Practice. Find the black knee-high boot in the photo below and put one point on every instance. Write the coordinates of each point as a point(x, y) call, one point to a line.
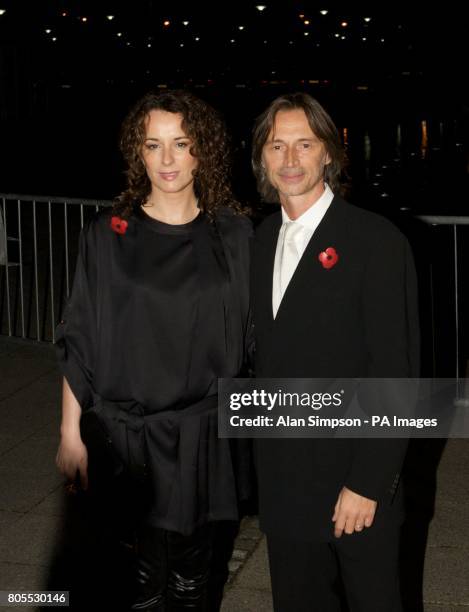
point(151, 570)
point(189, 560)
point(172, 570)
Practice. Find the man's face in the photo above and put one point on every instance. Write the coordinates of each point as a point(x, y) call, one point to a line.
point(166, 153)
point(294, 157)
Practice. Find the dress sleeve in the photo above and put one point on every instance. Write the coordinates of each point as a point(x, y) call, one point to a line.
point(76, 335)
point(236, 233)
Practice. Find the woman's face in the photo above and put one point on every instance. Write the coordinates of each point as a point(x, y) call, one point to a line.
point(166, 153)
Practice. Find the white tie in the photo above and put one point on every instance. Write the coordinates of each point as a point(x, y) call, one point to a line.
point(289, 256)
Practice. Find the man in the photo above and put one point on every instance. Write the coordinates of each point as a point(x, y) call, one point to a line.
point(334, 295)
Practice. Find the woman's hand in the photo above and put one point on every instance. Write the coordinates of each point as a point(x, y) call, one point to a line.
point(72, 456)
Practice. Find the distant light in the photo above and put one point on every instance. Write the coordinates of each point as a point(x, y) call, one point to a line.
point(197, 38)
point(302, 16)
point(166, 23)
point(181, 45)
point(232, 40)
point(306, 22)
point(265, 42)
point(119, 34)
point(261, 7)
point(2, 12)
point(382, 40)
point(367, 19)
point(306, 33)
point(186, 23)
point(364, 39)
point(342, 38)
point(54, 39)
point(84, 19)
point(128, 44)
point(240, 27)
point(337, 35)
point(324, 12)
point(290, 42)
point(344, 24)
point(64, 14)
point(48, 31)
point(149, 45)
point(110, 17)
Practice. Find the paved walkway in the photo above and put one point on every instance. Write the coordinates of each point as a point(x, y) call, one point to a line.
point(32, 502)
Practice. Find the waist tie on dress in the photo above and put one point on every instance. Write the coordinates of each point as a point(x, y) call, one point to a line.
point(135, 435)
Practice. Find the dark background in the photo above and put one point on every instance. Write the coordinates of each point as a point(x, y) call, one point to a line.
point(62, 100)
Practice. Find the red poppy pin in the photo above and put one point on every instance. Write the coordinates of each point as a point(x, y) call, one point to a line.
point(328, 258)
point(119, 225)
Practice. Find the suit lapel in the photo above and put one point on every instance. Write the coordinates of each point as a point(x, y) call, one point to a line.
point(329, 233)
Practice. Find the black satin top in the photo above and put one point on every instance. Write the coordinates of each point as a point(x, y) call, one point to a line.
point(156, 315)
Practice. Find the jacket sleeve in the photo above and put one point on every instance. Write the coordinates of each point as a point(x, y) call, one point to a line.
point(391, 328)
point(76, 334)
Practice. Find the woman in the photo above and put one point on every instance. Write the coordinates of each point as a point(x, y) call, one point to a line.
point(158, 312)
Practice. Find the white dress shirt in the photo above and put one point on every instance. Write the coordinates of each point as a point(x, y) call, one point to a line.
point(287, 255)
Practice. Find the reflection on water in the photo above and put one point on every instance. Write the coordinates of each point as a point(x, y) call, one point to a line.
point(397, 159)
point(424, 143)
point(420, 166)
point(398, 140)
point(345, 137)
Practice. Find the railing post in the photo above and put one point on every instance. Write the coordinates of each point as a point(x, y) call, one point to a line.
point(7, 275)
point(20, 249)
point(51, 267)
point(36, 279)
point(67, 279)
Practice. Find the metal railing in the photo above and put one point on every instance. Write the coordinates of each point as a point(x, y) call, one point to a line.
point(40, 241)
point(453, 221)
point(40, 244)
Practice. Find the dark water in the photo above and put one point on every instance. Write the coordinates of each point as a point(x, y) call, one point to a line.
point(404, 151)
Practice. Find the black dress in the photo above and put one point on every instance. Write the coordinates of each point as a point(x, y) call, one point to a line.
point(157, 314)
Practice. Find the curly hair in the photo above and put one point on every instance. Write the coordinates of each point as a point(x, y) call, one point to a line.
point(322, 126)
point(211, 146)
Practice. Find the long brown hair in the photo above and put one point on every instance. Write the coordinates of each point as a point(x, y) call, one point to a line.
point(322, 126)
point(204, 125)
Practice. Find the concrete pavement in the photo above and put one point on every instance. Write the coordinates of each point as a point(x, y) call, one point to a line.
point(33, 504)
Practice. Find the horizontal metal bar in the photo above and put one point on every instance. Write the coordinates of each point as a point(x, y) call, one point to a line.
point(444, 219)
point(55, 199)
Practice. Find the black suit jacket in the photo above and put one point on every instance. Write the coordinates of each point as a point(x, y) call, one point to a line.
point(357, 319)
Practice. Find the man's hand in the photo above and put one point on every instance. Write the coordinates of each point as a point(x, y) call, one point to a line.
point(352, 512)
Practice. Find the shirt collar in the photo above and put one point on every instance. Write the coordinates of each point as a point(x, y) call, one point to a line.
point(311, 217)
